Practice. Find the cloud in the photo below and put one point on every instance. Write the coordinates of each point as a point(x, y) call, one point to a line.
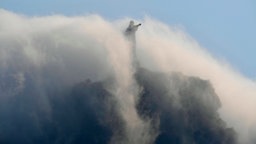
point(167, 49)
point(58, 51)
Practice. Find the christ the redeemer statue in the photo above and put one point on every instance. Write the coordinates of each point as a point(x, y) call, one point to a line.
point(130, 33)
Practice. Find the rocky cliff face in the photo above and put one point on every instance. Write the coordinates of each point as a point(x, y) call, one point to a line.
point(182, 109)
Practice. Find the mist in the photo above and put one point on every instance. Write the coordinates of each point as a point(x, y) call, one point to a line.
point(171, 49)
point(56, 52)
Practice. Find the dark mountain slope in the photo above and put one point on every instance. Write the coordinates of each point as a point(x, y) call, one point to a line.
point(184, 108)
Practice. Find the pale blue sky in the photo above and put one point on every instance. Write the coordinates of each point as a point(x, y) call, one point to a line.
point(227, 28)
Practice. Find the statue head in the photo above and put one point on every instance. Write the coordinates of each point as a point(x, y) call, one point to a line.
point(131, 23)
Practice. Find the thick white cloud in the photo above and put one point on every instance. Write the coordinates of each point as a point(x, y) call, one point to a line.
point(65, 50)
point(61, 50)
point(167, 49)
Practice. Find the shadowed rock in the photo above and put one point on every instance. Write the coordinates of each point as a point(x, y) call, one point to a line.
point(182, 108)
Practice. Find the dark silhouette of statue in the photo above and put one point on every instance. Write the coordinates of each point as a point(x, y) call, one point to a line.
point(130, 34)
